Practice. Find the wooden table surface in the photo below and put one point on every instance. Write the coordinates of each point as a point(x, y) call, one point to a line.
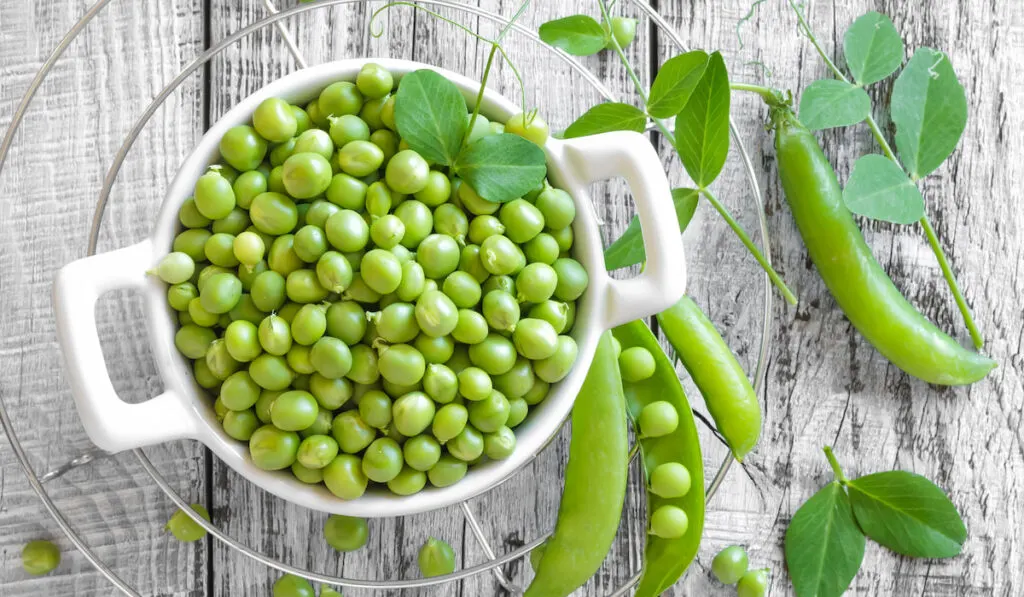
point(824, 384)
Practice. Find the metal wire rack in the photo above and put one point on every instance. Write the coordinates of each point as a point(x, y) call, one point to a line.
point(275, 19)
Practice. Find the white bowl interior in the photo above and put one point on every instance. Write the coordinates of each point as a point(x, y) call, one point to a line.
point(544, 420)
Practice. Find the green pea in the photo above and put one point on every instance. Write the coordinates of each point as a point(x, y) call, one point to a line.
point(247, 248)
point(382, 460)
point(532, 129)
point(340, 98)
point(282, 152)
point(268, 291)
point(240, 425)
point(753, 584)
point(199, 315)
point(221, 293)
point(282, 257)
point(418, 220)
point(671, 480)
point(397, 323)
point(564, 238)
point(436, 191)
point(517, 381)
point(500, 444)
point(183, 528)
point(310, 476)
point(387, 113)
point(669, 522)
point(179, 295)
point(557, 366)
point(360, 158)
point(317, 451)
point(347, 128)
point(522, 220)
point(275, 180)
point(536, 283)
point(535, 339)
point(309, 325)
point(347, 192)
point(346, 533)
point(292, 586)
point(288, 311)
point(275, 335)
point(387, 231)
point(517, 411)
point(189, 216)
point(474, 383)
point(347, 231)
point(271, 372)
point(298, 359)
point(381, 271)
point(175, 268)
point(310, 243)
point(413, 281)
point(192, 242)
point(436, 313)
point(408, 482)
point(731, 563)
point(386, 140)
point(274, 120)
point(435, 349)
point(401, 364)
point(346, 320)
point(500, 256)
point(558, 208)
point(407, 172)
point(331, 357)
point(480, 128)
point(239, 391)
point(331, 394)
point(333, 272)
point(491, 413)
point(412, 413)
point(273, 213)
point(474, 203)
point(40, 557)
point(449, 219)
point(448, 471)
point(501, 310)
point(364, 365)
point(422, 452)
point(273, 449)
point(219, 250)
point(294, 411)
point(636, 364)
point(374, 81)
point(468, 445)
point(214, 196)
point(572, 279)
point(319, 211)
point(204, 377)
point(303, 286)
point(470, 263)
point(483, 227)
point(471, 327)
point(439, 255)
point(314, 141)
point(537, 393)
point(554, 312)
point(375, 408)
point(440, 383)
point(243, 148)
point(306, 175)
point(543, 248)
point(302, 119)
point(495, 355)
point(658, 419)
point(344, 477)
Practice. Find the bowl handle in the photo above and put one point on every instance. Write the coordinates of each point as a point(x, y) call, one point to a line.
point(631, 156)
point(111, 423)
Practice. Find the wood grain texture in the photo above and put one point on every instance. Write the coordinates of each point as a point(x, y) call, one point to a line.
point(824, 385)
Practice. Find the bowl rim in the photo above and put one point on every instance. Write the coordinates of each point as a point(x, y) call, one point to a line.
point(545, 419)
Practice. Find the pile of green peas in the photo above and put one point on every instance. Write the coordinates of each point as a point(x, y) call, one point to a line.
point(362, 317)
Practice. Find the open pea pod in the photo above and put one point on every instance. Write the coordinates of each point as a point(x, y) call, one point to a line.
point(665, 560)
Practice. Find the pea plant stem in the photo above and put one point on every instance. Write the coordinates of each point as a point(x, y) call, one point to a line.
point(838, 470)
point(749, 244)
point(721, 209)
point(876, 132)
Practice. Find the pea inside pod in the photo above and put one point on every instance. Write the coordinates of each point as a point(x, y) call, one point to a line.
point(665, 558)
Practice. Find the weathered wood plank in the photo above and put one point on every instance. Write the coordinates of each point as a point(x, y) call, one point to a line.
point(49, 189)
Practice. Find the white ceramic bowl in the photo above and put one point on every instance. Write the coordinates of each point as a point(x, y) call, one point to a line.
point(184, 410)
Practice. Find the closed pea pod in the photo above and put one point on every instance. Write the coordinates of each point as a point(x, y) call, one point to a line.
point(727, 391)
point(598, 458)
point(665, 559)
point(852, 274)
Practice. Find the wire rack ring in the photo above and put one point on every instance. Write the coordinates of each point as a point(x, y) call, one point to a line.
point(275, 18)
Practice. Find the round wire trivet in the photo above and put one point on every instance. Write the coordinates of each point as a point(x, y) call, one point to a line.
point(275, 17)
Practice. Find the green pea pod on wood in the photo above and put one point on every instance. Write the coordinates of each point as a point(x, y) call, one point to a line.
point(665, 560)
point(852, 274)
point(727, 392)
point(595, 482)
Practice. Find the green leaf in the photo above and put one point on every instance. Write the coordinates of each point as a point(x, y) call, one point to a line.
point(873, 48)
point(829, 103)
point(675, 82)
point(606, 117)
point(578, 35)
point(502, 167)
point(628, 249)
point(430, 114)
point(824, 547)
point(879, 189)
point(908, 514)
point(702, 128)
point(929, 108)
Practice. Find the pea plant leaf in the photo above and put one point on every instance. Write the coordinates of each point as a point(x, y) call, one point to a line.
point(824, 547)
point(502, 167)
point(873, 48)
point(929, 108)
point(675, 82)
point(606, 117)
point(578, 35)
point(702, 128)
point(908, 514)
point(628, 249)
point(829, 103)
point(430, 114)
point(879, 189)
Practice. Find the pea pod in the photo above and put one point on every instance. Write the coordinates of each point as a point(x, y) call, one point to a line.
point(852, 274)
point(665, 560)
point(595, 482)
point(727, 391)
